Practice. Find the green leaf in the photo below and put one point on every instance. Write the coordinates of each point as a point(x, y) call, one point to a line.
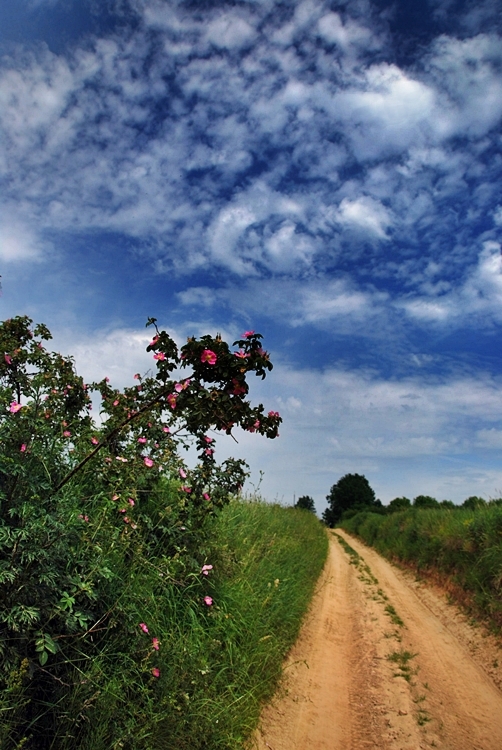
point(43, 658)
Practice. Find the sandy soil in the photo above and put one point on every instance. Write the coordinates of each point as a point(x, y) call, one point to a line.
point(383, 661)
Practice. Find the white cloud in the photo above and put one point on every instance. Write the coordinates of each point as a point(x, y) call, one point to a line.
point(480, 294)
point(17, 242)
point(332, 29)
point(229, 32)
point(366, 215)
point(468, 70)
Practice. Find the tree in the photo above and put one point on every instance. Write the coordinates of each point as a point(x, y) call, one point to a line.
point(473, 503)
point(399, 503)
point(425, 501)
point(305, 502)
point(351, 492)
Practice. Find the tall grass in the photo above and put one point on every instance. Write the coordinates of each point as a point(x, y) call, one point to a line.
point(465, 545)
point(218, 662)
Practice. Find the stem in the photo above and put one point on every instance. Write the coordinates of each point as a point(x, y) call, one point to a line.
point(115, 431)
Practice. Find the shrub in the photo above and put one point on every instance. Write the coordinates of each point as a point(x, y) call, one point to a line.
point(96, 521)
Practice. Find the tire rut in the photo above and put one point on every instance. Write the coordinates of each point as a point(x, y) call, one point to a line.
point(374, 667)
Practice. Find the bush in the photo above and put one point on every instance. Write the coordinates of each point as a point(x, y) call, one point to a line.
point(103, 530)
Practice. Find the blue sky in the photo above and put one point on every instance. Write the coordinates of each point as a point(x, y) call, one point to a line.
point(327, 173)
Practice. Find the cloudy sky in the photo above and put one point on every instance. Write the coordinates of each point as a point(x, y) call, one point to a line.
point(326, 173)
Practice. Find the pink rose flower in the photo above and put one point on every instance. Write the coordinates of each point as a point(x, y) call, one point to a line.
point(208, 601)
point(155, 643)
point(142, 440)
point(14, 407)
point(23, 448)
point(248, 334)
point(208, 356)
point(183, 473)
point(206, 496)
point(156, 672)
point(143, 627)
point(159, 356)
point(148, 462)
point(94, 441)
point(205, 569)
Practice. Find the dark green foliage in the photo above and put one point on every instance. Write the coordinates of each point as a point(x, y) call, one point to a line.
point(473, 502)
point(351, 493)
point(399, 503)
point(425, 501)
point(305, 502)
point(462, 543)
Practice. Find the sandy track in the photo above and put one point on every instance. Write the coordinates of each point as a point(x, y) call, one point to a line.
point(382, 664)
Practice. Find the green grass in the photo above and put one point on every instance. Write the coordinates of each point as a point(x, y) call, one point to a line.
point(465, 545)
point(218, 663)
point(402, 660)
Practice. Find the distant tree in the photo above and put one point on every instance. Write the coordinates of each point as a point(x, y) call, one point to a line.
point(473, 503)
point(351, 492)
point(399, 503)
point(306, 502)
point(425, 501)
point(448, 504)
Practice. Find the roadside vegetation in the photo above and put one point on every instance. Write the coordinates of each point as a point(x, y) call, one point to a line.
point(463, 544)
point(142, 606)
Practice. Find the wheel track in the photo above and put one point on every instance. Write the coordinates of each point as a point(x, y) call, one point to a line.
point(340, 690)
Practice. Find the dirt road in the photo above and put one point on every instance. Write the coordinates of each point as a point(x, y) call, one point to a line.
point(384, 662)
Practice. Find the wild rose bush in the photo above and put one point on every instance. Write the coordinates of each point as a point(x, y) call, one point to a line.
point(87, 510)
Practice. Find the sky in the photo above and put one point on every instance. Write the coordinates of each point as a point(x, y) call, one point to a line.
point(325, 173)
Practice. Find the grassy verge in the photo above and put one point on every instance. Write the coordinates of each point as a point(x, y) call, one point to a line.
point(217, 660)
point(463, 545)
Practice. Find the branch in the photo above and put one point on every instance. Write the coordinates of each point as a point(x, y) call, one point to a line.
point(115, 431)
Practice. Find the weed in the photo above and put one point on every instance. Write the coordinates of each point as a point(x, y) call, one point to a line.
point(402, 659)
point(422, 718)
point(394, 616)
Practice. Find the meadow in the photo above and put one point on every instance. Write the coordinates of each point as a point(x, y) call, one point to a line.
point(463, 546)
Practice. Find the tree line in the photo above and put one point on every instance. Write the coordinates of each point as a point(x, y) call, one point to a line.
point(353, 494)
